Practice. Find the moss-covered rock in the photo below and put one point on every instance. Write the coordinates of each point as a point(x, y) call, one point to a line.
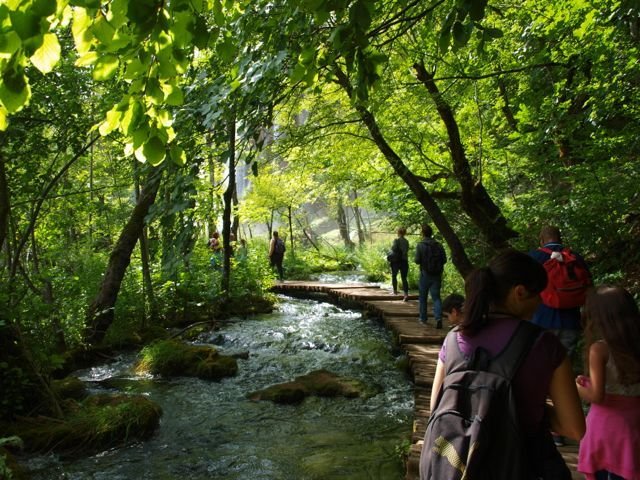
point(321, 383)
point(174, 358)
point(98, 423)
point(9, 467)
point(69, 387)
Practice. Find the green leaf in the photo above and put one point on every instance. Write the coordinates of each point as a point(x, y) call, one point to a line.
point(152, 151)
point(14, 90)
point(106, 67)
point(103, 30)
point(48, 55)
point(461, 34)
point(444, 40)
point(80, 28)
point(226, 49)
point(9, 44)
point(143, 13)
point(85, 3)
point(174, 96)
point(177, 155)
point(493, 32)
point(131, 118)
point(25, 24)
point(111, 122)
point(360, 16)
point(87, 59)
point(44, 8)
point(134, 69)
point(476, 11)
point(4, 122)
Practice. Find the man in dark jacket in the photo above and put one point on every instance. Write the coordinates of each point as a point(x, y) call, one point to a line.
point(431, 257)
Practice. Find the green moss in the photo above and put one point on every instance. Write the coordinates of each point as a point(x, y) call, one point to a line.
point(173, 358)
point(69, 387)
point(321, 383)
point(98, 423)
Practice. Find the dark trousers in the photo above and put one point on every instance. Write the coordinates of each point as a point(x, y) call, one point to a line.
point(276, 262)
point(403, 268)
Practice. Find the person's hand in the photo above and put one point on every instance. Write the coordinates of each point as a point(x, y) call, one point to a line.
point(583, 381)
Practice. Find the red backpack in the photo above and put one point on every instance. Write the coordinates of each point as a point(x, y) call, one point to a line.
point(568, 280)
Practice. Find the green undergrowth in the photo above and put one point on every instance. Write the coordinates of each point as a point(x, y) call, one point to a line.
point(98, 423)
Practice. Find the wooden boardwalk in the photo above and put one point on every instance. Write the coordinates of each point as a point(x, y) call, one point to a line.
point(421, 344)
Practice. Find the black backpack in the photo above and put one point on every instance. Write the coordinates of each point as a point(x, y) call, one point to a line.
point(433, 257)
point(473, 432)
point(279, 247)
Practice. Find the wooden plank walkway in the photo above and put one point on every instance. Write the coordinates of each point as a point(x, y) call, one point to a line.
point(421, 344)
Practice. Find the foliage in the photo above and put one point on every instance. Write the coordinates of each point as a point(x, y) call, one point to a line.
point(97, 423)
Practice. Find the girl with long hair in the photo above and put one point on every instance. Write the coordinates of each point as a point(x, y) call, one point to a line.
point(610, 450)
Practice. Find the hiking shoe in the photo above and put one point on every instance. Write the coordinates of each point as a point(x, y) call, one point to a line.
point(439, 324)
point(558, 440)
point(405, 298)
point(423, 322)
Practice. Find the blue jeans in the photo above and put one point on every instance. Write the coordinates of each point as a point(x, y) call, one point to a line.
point(430, 284)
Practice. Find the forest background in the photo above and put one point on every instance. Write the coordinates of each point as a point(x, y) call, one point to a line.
point(132, 129)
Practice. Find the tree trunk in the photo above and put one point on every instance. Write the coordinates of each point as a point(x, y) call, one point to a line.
point(100, 313)
point(359, 223)
point(290, 218)
point(228, 204)
point(458, 254)
point(211, 215)
point(4, 204)
point(343, 226)
point(47, 297)
point(475, 200)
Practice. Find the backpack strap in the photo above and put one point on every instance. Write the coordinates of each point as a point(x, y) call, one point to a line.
point(506, 363)
point(455, 360)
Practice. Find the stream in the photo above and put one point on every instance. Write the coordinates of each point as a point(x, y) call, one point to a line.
point(210, 429)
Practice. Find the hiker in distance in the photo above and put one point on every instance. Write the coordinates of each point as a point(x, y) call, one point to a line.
point(431, 257)
point(276, 254)
point(398, 259)
point(495, 344)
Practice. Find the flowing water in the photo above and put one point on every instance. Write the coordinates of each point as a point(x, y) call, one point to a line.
point(210, 430)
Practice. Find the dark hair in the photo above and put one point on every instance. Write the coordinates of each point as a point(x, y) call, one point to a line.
point(275, 233)
point(550, 233)
point(402, 231)
point(489, 286)
point(611, 313)
point(427, 231)
point(455, 300)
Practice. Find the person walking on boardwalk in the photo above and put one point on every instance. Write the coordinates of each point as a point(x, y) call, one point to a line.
point(399, 261)
point(568, 281)
point(556, 313)
point(453, 308)
point(431, 257)
point(500, 299)
point(610, 450)
point(276, 254)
